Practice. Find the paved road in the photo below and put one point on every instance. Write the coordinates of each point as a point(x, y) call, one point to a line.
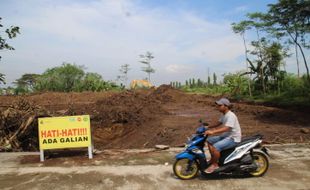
point(145, 169)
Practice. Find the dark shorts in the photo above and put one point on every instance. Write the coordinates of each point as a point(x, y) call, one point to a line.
point(221, 143)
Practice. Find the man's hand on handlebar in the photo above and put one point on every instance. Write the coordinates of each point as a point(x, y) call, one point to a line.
point(209, 132)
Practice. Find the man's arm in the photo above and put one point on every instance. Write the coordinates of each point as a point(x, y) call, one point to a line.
point(215, 125)
point(218, 130)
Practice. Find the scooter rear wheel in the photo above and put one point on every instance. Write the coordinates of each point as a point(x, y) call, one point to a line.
point(262, 162)
point(185, 168)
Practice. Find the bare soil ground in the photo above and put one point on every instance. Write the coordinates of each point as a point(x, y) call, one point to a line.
point(144, 118)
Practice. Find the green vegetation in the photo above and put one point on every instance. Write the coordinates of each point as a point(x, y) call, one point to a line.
point(146, 60)
point(26, 83)
point(290, 90)
point(65, 78)
point(10, 33)
point(2, 79)
point(199, 86)
point(124, 75)
point(285, 26)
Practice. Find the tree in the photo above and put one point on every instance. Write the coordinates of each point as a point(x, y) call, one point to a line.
point(199, 83)
point(214, 79)
point(91, 82)
point(258, 26)
point(288, 18)
point(146, 60)
point(63, 78)
point(10, 33)
point(267, 66)
point(237, 83)
point(241, 28)
point(70, 77)
point(209, 80)
point(293, 17)
point(2, 80)
point(27, 82)
point(193, 82)
point(124, 71)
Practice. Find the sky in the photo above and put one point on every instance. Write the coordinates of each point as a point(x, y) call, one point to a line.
point(188, 38)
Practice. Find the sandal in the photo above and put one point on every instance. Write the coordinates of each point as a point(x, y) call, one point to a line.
point(211, 169)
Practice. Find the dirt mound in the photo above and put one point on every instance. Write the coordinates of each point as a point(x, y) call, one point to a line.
point(133, 107)
point(128, 107)
point(19, 126)
point(165, 94)
point(112, 116)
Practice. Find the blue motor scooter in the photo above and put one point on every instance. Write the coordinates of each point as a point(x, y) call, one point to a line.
point(248, 156)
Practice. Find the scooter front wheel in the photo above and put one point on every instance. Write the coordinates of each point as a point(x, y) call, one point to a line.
point(185, 168)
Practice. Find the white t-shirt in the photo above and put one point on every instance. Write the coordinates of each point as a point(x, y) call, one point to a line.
point(231, 120)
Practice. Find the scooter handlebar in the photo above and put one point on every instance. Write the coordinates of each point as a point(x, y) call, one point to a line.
point(203, 123)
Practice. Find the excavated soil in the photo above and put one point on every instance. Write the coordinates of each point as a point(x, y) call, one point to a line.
point(144, 118)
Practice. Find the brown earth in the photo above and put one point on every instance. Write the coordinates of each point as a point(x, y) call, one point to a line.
point(144, 118)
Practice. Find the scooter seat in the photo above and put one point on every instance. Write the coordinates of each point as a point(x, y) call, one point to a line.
point(249, 139)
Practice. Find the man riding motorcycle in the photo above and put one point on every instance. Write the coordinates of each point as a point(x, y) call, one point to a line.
point(229, 131)
point(231, 154)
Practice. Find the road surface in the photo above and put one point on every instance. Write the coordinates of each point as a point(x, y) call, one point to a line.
point(145, 169)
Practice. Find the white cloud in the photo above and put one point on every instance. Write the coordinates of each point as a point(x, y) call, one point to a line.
point(102, 35)
point(177, 68)
point(241, 8)
point(217, 50)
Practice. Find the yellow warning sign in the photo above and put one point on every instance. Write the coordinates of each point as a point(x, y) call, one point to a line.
point(64, 132)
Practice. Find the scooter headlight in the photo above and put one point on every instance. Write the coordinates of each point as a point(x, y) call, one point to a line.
point(197, 151)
